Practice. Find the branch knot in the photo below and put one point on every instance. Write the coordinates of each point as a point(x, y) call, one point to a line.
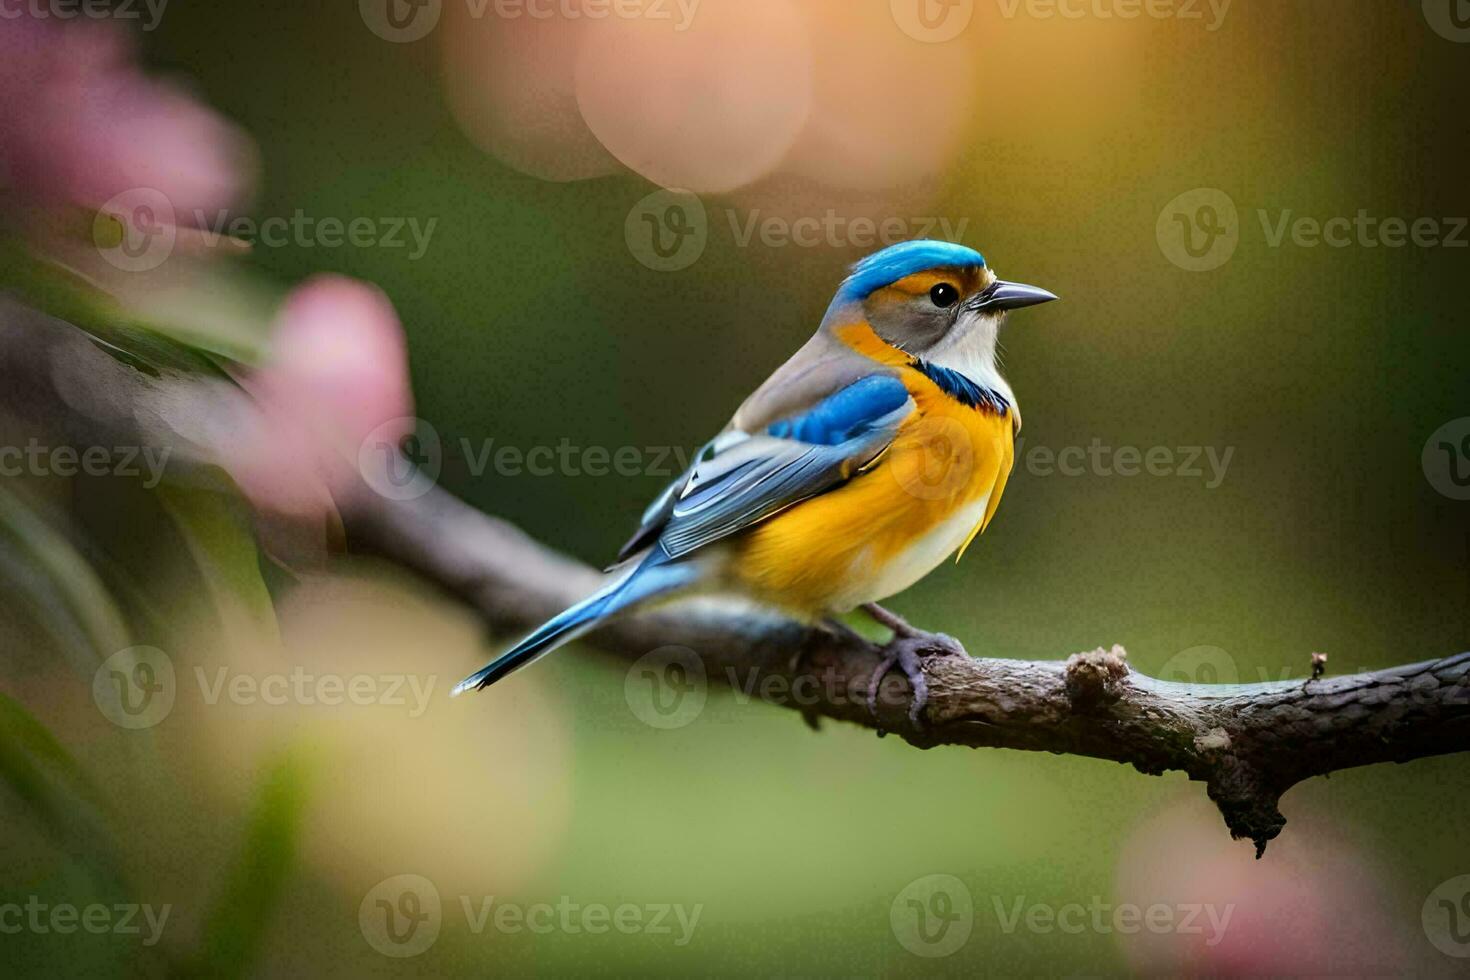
point(1097, 676)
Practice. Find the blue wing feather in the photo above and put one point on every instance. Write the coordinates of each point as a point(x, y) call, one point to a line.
point(739, 479)
point(843, 415)
point(796, 458)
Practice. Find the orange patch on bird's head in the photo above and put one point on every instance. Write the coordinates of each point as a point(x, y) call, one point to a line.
point(915, 311)
point(965, 280)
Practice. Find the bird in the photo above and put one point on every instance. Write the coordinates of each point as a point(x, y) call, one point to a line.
point(879, 449)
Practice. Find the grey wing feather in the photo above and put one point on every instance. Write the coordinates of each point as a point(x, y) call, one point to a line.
point(823, 365)
point(761, 475)
point(654, 518)
point(656, 515)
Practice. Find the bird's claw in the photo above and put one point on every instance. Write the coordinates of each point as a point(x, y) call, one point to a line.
point(907, 651)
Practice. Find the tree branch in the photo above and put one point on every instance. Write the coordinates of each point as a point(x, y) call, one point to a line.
point(1249, 744)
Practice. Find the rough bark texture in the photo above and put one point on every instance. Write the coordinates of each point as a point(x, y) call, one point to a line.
point(1247, 743)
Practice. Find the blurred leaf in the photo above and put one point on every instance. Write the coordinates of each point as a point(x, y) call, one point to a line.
point(74, 605)
point(57, 792)
point(27, 748)
point(150, 352)
point(194, 320)
point(222, 546)
point(238, 921)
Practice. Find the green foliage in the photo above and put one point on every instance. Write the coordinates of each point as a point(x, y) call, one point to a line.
point(57, 794)
point(237, 924)
point(63, 589)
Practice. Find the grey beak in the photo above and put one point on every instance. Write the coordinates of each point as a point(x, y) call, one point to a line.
point(1001, 295)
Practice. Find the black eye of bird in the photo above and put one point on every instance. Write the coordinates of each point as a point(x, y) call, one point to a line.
point(944, 295)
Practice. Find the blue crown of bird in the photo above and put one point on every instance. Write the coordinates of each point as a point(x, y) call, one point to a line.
point(878, 450)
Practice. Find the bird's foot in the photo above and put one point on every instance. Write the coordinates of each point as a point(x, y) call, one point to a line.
point(907, 650)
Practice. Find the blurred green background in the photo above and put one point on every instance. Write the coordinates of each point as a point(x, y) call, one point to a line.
point(530, 321)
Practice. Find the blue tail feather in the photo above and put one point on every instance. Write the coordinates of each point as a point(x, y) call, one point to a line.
point(651, 578)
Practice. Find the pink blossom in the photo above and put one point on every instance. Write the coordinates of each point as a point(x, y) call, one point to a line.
point(80, 123)
point(337, 374)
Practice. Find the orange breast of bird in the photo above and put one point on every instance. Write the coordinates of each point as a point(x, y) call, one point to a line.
point(924, 498)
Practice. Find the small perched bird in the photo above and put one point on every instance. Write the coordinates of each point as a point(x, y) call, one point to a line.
point(879, 449)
